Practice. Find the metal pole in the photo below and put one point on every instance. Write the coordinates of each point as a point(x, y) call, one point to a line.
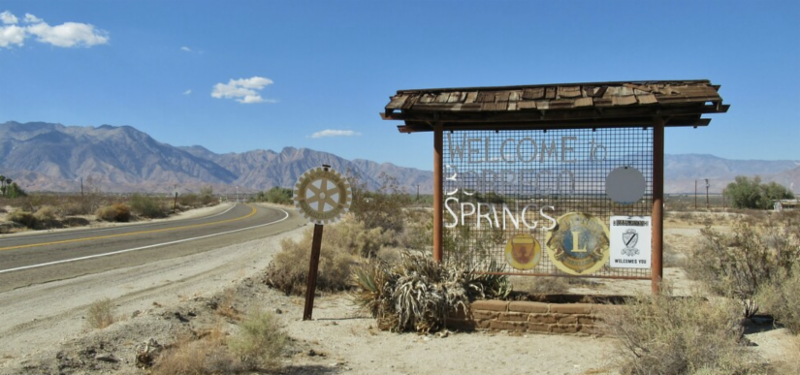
point(438, 140)
point(657, 270)
point(708, 205)
point(695, 195)
point(313, 267)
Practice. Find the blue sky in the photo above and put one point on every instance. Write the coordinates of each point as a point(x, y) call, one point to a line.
point(235, 76)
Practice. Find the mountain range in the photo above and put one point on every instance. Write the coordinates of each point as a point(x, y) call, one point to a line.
point(53, 157)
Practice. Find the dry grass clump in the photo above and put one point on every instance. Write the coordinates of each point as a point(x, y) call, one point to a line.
point(418, 293)
point(259, 341)
point(45, 213)
point(541, 286)
point(101, 314)
point(23, 218)
point(782, 299)
point(343, 246)
point(736, 265)
point(256, 345)
point(665, 335)
point(118, 212)
point(205, 356)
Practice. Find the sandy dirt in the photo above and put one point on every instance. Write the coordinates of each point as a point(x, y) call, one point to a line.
point(45, 333)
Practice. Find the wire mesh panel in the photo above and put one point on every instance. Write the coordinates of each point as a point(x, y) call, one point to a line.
point(535, 202)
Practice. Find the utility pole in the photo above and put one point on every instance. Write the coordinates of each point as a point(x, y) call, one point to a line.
point(695, 195)
point(417, 192)
point(708, 206)
point(81, 186)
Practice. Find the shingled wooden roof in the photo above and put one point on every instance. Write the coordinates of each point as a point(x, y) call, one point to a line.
point(574, 105)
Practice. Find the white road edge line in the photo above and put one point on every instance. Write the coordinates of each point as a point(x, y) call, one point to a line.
point(142, 248)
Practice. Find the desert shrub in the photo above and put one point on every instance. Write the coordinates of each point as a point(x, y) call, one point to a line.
point(23, 218)
point(259, 341)
point(418, 293)
point(118, 212)
point(781, 298)
point(100, 314)
point(418, 230)
point(665, 335)
point(736, 265)
point(288, 270)
point(145, 206)
point(277, 195)
point(384, 208)
point(45, 213)
point(189, 200)
point(207, 196)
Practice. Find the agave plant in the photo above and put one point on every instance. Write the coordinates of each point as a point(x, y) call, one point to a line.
point(417, 294)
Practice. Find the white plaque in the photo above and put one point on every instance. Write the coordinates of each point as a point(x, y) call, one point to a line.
point(630, 241)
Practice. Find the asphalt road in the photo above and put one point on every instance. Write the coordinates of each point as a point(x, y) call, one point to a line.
point(41, 258)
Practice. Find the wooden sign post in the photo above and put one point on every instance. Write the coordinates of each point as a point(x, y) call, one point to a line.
point(322, 196)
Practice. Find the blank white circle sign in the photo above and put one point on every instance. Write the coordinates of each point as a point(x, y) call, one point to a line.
point(625, 185)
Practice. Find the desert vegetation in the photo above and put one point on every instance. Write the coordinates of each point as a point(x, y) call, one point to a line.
point(57, 210)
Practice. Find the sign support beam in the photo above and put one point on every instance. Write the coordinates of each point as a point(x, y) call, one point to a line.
point(438, 141)
point(657, 271)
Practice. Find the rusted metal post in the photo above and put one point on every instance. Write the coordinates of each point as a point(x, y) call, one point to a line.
point(311, 285)
point(657, 270)
point(438, 206)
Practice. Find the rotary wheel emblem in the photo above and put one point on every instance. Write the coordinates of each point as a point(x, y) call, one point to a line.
point(322, 195)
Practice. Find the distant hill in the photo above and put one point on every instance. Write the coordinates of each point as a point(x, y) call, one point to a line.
point(681, 171)
point(53, 157)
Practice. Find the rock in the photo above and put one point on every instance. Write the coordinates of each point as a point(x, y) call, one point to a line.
point(278, 311)
point(106, 357)
point(136, 313)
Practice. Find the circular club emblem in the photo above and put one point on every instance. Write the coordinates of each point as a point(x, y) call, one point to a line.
point(625, 185)
point(322, 195)
point(523, 252)
point(579, 244)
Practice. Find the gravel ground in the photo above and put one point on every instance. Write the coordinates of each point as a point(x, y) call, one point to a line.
point(43, 327)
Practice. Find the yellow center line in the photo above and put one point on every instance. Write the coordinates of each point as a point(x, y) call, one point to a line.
point(127, 234)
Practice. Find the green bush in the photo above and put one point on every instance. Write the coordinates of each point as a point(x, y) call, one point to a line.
point(118, 212)
point(746, 193)
point(259, 340)
point(277, 195)
point(736, 265)
point(146, 206)
point(665, 335)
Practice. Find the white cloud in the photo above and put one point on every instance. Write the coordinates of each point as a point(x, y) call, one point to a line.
point(8, 18)
point(334, 133)
point(30, 18)
point(187, 92)
point(11, 35)
point(243, 90)
point(186, 49)
point(67, 34)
